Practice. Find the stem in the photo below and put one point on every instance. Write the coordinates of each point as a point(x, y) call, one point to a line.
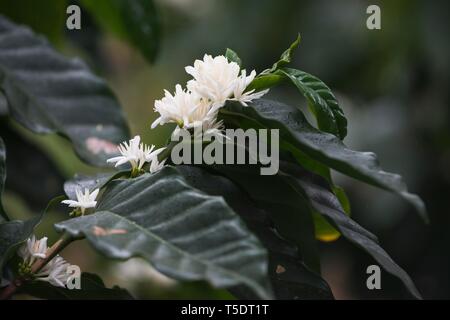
point(8, 291)
point(52, 252)
point(57, 247)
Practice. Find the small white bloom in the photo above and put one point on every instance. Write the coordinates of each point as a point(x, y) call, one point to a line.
point(54, 272)
point(218, 80)
point(186, 109)
point(155, 165)
point(33, 249)
point(84, 200)
point(134, 152)
point(242, 83)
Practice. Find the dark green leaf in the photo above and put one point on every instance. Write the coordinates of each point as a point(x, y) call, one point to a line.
point(233, 57)
point(324, 230)
point(320, 146)
point(92, 288)
point(136, 21)
point(290, 212)
point(286, 56)
point(12, 234)
point(37, 181)
point(321, 101)
point(265, 81)
point(48, 93)
point(323, 200)
point(3, 104)
point(3, 215)
point(90, 182)
point(185, 233)
point(290, 278)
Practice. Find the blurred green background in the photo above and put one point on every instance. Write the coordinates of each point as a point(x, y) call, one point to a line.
point(393, 85)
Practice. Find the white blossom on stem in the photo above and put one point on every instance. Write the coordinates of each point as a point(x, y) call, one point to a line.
point(186, 109)
point(219, 80)
point(85, 200)
point(54, 272)
point(239, 93)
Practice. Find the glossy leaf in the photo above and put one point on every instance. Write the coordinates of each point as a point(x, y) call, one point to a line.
point(290, 212)
point(37, 181)
point(12, 234)
point(323, 200)
point(49, 93)
point(92, 288)
point(90, 182)
point(3, 105)
point(321, 101)
point(233, 57)
point(324, 230)
point(3, 215)
point(136, 21)
point(320, 146)
point(290, 278)
point(185, 233)
point(266, 81)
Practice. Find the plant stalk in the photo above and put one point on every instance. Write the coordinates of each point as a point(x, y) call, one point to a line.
point(57, 247)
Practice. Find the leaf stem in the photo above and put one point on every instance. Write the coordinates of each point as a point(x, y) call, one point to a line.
point(57, 247)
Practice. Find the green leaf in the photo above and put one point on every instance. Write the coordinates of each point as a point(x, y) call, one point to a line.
point(49, 93)
point(233, 57)
point(183, 232)
point(290, 278)
point(324, 230)
point(90, 182)
point(12, 234)
point(320, 146)
point(35, 187)
point(286, 56)
point(321, 101)
point(3, 104)
point(323, 200)
point(3, 215)
point(92, 288)
point(265, 81)
point(136, 21)
point(289, 211)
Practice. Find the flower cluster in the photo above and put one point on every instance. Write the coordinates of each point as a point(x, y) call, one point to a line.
point(215, 81)
point(54, 272)
point(137, 154)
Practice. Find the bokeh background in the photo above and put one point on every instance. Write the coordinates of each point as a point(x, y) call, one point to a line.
point(393, 85)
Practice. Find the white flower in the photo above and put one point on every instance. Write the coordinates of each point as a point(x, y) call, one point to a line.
point(218, 80)
point(184, 108)
point(136, 153)
point(155, 165)
point(241, 84)
point(33, 249)
point(54, 272)
point(214, 78)
point(84, 200)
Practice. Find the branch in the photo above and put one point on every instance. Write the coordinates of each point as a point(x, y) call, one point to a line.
point(57, 247)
